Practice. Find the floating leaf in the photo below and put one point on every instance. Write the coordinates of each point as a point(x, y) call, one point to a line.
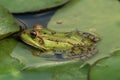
point(51, 69)
point(107, 68)
point(96, 16)
point(21, 6)
point(68, 71)
point(24, 54)
point(9, 67)
point(8, 25)
point(35, 67)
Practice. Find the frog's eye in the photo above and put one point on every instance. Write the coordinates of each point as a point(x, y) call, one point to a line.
point(33, 34)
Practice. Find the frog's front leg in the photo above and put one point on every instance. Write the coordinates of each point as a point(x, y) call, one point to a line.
point(37, 53)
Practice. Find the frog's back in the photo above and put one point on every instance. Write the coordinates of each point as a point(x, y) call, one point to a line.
point(63, 40)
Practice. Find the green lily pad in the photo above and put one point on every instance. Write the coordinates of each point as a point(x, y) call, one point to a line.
point(24, 53)
point(107, 68)
point(71, 71)
point(21, 6)
point(17, 63)
point(95, 16)
point(35, 66)
point(8, 65)
point(8, 25)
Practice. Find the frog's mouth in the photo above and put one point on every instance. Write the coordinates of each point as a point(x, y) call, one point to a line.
point(28, 40)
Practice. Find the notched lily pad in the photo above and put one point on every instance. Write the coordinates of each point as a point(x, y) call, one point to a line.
point(107, 68)
point(24, 54)
point(8, 24)
point(21, 6)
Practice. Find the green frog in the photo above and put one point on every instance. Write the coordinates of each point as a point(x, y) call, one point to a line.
point(72, 44)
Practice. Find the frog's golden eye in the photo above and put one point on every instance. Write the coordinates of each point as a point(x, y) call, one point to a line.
point(33, 34)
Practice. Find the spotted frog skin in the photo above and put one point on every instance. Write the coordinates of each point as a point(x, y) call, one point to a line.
point(74, 43)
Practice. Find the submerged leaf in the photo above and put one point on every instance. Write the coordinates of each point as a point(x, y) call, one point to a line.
point(96, 16)
point(7, 23)
point(21, 6)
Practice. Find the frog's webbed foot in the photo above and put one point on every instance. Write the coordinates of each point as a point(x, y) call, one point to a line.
point(38, 52)
point(92, 37)
point(81, 53)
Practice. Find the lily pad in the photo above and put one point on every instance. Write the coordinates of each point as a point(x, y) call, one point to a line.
point(24, 54)
point(50, 68)
point(26, 66)
point(107, 68)
point(8, 65)
point(21, 6)
point(8, 24)
point(69, 71)
point(95, 16)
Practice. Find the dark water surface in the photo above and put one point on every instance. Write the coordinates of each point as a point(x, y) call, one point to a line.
point(28, 20)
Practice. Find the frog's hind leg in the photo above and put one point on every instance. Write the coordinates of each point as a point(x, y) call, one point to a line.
point(84, 52)
point(92, 37)
point(91, 51)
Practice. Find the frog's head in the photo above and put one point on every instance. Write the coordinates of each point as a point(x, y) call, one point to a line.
point(32, 37)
